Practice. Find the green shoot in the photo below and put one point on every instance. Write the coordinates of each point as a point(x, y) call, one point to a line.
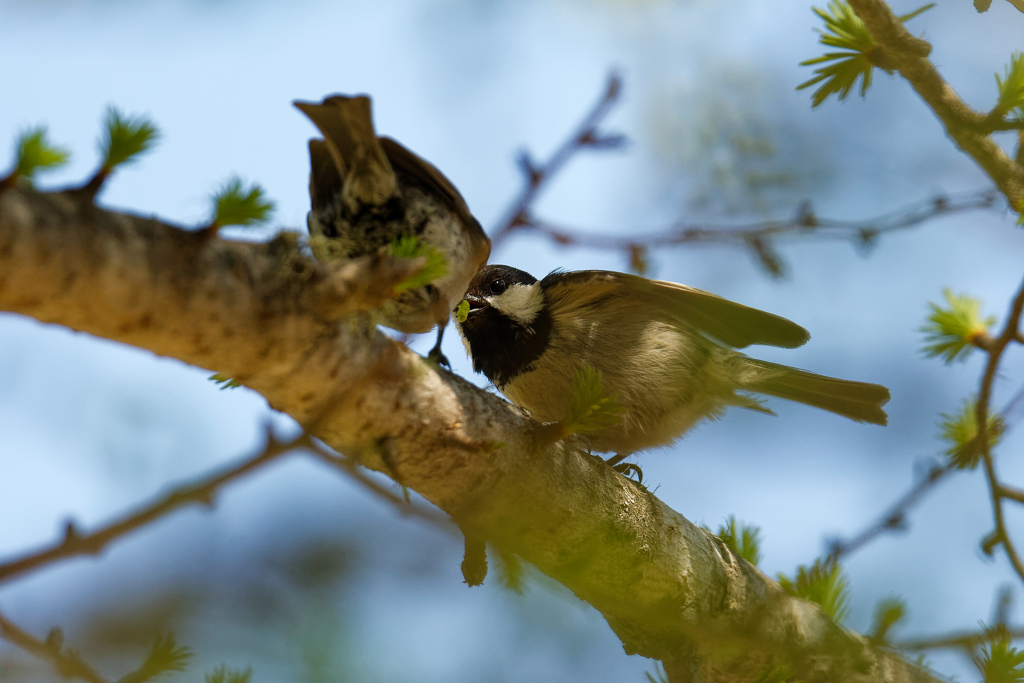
point(960, 431)
point(165, 656)
point(639, 262)
point(125, 138)
point(846, 31)
point(410, 247)
point(888, 613)
point(952, 332)
point(224, 381)
point(742, 539)
point(222, 674)
point(462, 312)
point(659, 675)
point(1000, 662)
point(824, 584)
point(1011, 86)
point(511, 572)
point(234, 205)
point(34, 153)
point(774, 674)
point(591, 407)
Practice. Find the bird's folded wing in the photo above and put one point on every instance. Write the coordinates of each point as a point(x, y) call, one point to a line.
point(426, 174)
point(724, 321)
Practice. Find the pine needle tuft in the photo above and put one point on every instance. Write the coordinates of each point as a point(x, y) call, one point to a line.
point(742, 539)
point(125, 138)
point(411, 247)
point(999, 661)
point(1011, 86)
point(842, 70)
point(960, 431)
point(822, 583)
point(774, 674)
point(592, 407)
point(222, 674)
point(164, 657)
point(34, 153)
point(511, 573)
point(888, 613)
point(224, 381)
point(951, 331)
point(235, 205)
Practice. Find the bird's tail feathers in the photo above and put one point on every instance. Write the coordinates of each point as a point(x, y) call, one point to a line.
point(347, 127)
point(857, 401)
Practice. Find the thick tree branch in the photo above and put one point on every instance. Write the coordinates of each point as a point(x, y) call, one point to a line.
point(666, 587)
point(909, 55)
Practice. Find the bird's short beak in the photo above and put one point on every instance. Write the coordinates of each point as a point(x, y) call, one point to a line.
point(476, 305)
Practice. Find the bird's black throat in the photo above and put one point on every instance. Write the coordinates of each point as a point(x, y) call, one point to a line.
point(503, 348)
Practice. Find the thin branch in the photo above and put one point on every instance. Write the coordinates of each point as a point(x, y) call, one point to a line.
point(1009, 334)
point(586, 136)
point(803, 226)
point(966, 640)
point(894, 519)
point(403, 505)
point(67, 662)
point(199, 492)
point(1011, 492)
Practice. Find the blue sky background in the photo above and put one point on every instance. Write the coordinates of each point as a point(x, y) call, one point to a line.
point(306, 577)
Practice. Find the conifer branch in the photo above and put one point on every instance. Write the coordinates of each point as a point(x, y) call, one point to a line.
point(970, 129)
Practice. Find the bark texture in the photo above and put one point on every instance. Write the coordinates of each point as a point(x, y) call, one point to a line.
point(302, 334)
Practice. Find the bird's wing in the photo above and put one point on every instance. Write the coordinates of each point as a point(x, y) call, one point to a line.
point(424, 173)
point(725, 321)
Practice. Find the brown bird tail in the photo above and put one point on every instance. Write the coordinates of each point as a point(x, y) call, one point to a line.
point(857, 401)
point(347, 127)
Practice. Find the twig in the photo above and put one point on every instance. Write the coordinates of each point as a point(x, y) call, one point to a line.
point(1009, 334)
point(403, 505)
point(67, 662)
point(803, 226)
point(894, 518)
point(201, 491)
point(585, 136)
point(966, 640)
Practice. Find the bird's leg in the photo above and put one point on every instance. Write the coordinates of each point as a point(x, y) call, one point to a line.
point(626, 469)
point(435, 353)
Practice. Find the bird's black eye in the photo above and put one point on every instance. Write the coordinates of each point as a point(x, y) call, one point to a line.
point(497, 287)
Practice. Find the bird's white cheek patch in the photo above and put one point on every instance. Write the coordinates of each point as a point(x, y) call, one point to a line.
point(521, 303)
